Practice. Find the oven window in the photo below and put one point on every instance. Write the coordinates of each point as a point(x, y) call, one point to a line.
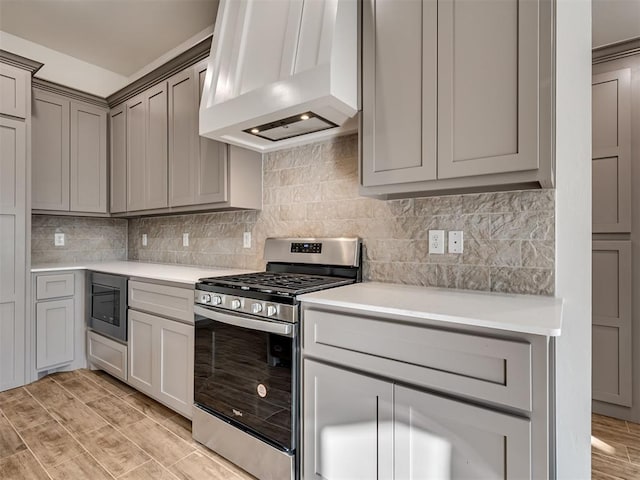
point(105, 304)
point(245, 376)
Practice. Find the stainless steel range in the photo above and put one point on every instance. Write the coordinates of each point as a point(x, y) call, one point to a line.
point(246, 386)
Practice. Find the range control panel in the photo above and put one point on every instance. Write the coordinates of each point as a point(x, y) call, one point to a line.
point(306, 247)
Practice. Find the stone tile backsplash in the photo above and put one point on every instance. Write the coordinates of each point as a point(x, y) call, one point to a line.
point(86, 239)
point(313, 191)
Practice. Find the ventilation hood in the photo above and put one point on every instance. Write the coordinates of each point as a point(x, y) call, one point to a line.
point(281, 73)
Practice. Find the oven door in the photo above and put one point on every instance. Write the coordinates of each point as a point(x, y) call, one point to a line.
point(245, 373)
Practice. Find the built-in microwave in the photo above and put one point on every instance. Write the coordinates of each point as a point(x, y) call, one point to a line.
point(107, 305)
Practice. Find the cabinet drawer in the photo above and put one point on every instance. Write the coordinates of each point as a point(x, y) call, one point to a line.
point(54, 286)
point(486, 368)
point(110, 356)
point(167, 301)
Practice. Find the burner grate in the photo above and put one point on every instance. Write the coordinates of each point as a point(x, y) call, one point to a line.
point(287, 283)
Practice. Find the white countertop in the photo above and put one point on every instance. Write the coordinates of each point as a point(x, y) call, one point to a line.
point(516, 313)
point(153, 271)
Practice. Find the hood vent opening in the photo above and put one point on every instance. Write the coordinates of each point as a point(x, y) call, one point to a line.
point(294, 126)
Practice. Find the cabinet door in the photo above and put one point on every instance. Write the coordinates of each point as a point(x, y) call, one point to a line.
point(611, 156)
point(399, 55)
point(611, 322)
point(156, 166)
point(211, 169)
point(88, 176)
point(50, 152)
point(436, 437)
point(183, 138)
point(13, 91)
point(347, 424)
point(175, 364)
point(142, 364)
point(136, 153)
point(13, 216)
point(488, 86)
point(54, 333)
point(118, 117)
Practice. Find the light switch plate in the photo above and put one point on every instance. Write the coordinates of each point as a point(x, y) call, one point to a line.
point(246, 240)
point(456, 241)
point(185, 239)
point(58, 239)
point(436, 241)
point(144, 239)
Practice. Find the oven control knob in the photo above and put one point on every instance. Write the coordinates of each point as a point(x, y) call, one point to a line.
point(271, 311)
point(256, 308)
point(216, 300)
point(235, 303)
point(206, 298)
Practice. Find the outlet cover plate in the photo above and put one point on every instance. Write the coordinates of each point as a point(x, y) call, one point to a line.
point(246, 240)
point(144, 239)
point(58, 239)
point(185, 239)
point(456, 241)
point(436, 241)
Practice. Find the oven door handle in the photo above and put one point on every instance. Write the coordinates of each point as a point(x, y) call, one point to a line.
point(284, 329)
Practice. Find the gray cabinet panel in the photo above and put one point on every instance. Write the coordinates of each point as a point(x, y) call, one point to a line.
point(611, 156)
point(136, 153)
point(611, 322)
point(141, 359)
point(172, 302)
point(54, 333)
point(50, 152)
point(107, 354)
point(13, 94)
point(13, 258)
point(156, 187)
point(399, 68)
point(347, 425)
point(212, 158)
point(183, 138)
point(118, 132)
point(175, 342)
point(487, 87)
point(88, 176)
point(436, 437)
point(54, 286)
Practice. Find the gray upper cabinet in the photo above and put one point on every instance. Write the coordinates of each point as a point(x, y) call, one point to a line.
point(456, 95)
point(88, 179)
point(399, 125)
point(197, 165)
point(611, 156)
point(69, 154)
point(50, 151)
point(146, 132)
point(118, 132)
point(13, 96)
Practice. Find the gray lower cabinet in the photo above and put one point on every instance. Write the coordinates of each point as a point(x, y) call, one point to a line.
point(69, 152)
point(474, 109)
point(55, 320)
point(146, 149)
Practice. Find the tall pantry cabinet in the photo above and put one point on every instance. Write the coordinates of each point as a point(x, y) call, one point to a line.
point(15, 213)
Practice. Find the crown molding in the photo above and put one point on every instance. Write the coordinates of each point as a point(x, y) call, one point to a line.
point(53, 87)
point(190, 57)
point(19, 61)
point(626, 48)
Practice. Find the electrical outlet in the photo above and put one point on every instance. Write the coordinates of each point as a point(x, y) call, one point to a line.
point(144, 239)
point(456, 242)
point(246, 240)
point(185, 239)
point(436, 241)
point(58, 239)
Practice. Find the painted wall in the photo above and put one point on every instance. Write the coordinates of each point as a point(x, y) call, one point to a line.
point(313, 191)
point(573, 237)
point(633, 63)
point(64, 69)
point(615, 21)
point(86, 239)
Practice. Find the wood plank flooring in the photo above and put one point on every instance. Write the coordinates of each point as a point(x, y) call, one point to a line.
point(615, 449)
point(87, 425)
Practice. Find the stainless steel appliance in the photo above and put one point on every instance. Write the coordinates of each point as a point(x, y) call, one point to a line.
point(246, 386)
point(107, 305)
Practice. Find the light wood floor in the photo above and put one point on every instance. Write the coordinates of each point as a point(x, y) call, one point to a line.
point(615, 449)
point(87, 425)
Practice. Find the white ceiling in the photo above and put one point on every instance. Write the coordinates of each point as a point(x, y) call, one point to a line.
point(122, 36)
